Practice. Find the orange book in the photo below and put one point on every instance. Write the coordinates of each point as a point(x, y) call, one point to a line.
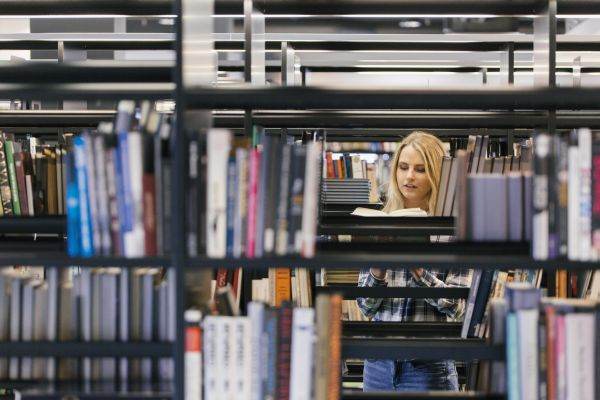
point(341, 168)
point(283, 286)
point(335, 347)
point(329, 159)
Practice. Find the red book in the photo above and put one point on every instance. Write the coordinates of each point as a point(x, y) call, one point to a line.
point(284, 351)
point(148, 193)
point(252, 198)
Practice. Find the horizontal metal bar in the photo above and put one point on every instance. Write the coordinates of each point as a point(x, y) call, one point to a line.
point(402, 226)
point(60, 259)
point(419, 329)
point(410, 7)
point(41, 224)
point(320, 98)
point(353, 292)
point(428, 395)
point(419, 348)
point(139, 44)
point(106, 390)
point(73, 7)
point(87, 349)
point(50, 72)
point(88, 91)
point(35, 394)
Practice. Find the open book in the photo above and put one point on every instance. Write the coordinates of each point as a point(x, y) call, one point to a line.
point(405, 212)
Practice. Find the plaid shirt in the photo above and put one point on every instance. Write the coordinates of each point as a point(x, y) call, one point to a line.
point(404, 309)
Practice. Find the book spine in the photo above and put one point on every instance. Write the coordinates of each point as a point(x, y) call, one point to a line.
point(73, 212)
point(5, 194)
point(87, 245)
point(596, 196)
point(512, 357)
point(231, 204)
point(270, 346)
point(114, 203)
point(296, 200)
point(335, 347)
point(256, 313)
point(241, 172)
point(193, 357)
point(284, 351)
point(281, 223)
point(134, 238)
point(149, 195)
point(252, 199)
point(192, 197)
point(12, 177)
point(209, 351)
point(22, 189)
point(303, 326)
point(585, 194)
point(103, 194)
point(93, 193)
point(540, 245)
point(311, 200)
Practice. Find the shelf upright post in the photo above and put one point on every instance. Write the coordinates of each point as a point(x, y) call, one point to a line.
point(507, 74)
point(254, 54)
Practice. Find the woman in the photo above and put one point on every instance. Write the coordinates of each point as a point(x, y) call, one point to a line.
point(415, 175)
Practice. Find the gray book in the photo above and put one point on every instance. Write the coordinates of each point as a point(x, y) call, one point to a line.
point(90, 154)
point(527, 205)
point(498, 165)
point(135, 316)
point(108, 326)
point(477, 202)
point(52, 316)
point(496, 216)
point(498, 311)
point(4, 319)
point(443, 187)
point(124, 321)
point(451, 190)
point(15, 322)
point(102, 193)
point(67, 330)
point(97, 300)
point(487, 165)
point(27, 327)
point(515, 207)
point(474, 164)
point(40, 328)
point(85, 316)
point(470, 306)
point(147, 321)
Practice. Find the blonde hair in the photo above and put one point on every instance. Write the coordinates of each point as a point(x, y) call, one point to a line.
point(431, 150)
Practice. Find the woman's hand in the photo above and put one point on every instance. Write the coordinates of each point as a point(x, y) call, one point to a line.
point(378, 273)
point(417, 273)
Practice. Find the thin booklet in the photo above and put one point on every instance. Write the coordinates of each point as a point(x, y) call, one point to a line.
point(405, 212)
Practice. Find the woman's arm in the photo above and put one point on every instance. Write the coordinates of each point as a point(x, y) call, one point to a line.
point(453, 308)
point(369, 278)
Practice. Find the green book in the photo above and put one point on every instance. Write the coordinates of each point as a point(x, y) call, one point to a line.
point(12, 176)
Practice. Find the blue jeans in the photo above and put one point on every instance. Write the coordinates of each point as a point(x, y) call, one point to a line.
point(409, 376)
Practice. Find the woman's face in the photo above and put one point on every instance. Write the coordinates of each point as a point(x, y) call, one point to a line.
point(412, 178)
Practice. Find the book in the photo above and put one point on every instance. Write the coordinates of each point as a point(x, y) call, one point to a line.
point(405, 212)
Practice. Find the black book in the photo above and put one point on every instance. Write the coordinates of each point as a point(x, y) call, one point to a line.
point(296, 197)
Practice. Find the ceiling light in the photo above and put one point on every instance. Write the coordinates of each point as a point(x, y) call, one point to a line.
point(410, 24)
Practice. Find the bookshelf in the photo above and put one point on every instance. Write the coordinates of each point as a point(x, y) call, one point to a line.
point(453, 255)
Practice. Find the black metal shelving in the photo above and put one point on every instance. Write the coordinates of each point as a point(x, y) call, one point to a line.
point(355, 395)
point(89, 349)
point(418, 329)
point(353, 292)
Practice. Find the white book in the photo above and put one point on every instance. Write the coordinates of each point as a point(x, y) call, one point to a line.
point(256, 314)
point(310, 205)
point(29, 190)
point(573, 204)
point(404, 212)
point(40, 325)
point(580, 360)
point(527, 321)
point(585, 194)
point(15, 323)
point(90, 154)
point(124, 321)
point(85, 316)
point(108, 327)
point(303, 333)
point(242, 362)
point(356, 167)
point(4, 319)
point(147, 320)
point(209, 349)
point(134, 239)
point(193, 362)
point(102, 189)
point(218, 147)
point(27, 328)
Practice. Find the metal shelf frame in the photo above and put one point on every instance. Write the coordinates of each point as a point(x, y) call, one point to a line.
point(86, 349)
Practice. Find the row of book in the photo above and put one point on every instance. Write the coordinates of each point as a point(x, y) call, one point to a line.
point(347, 191)
point(286, 353)
point(118, 186)
point(347, 166)
point(101, 304)
point(366, 147)
point(261, 200)
point(552, 346)
point(32, 177)
point(566, 205)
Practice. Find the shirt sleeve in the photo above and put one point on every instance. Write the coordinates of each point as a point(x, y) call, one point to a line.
point(453, 308)
point(369, 306)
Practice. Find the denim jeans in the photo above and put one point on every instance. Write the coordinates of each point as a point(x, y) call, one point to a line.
point(409, 376)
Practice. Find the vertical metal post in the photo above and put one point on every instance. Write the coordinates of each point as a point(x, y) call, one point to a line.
point(178, 225)
point(577, 72)
point(66, 55)
point(507, 76)
point(544, 53)
point(254, 54)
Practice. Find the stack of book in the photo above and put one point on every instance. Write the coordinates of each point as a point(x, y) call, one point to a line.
point(261, 200)
point(101, 304)
point(32, 177)
point(552, 345)
point(566, 215)
point(118, 187)
point(285, 352)
point(284, 284)
point(346, 191)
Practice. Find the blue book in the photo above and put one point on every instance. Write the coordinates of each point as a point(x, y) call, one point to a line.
point(72, 197)
point(120, 201)
point(85, 221)
point(232, 187)
point(270, 347)
point(512, 357)
point(124, 190)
